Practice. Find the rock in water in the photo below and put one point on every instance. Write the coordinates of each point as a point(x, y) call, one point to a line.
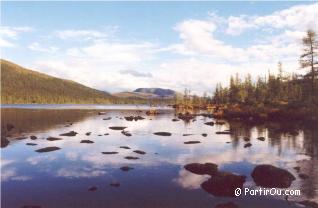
point(33, 137)
point(119, 128)
point(211, 123)
point(223, 184)
point(247, 145)
point(131, 158)
point(192, 142)
point(53, 139)
point(124, 147)
point(87, 141)
point(162, 133)
point(126, 133)
point(114, 184)
point(261, 138)
point(4, 142)
point(93, 188)
point(71, 133)
point(272, 177)
point(109, 153)
point(139, 152)
point(202, 169)
point(31, 144)
point(227, 205)
point(126, 168)
point(47, 149)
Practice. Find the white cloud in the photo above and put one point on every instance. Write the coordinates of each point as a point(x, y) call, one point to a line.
point(11, 33)
point(85, 34)
point(300, 17)
point(79, 172)
point(35, 46)
point(202, 57)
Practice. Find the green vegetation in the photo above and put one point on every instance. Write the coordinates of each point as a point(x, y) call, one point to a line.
point(24, 86)
point(20, 85)
point(282, 95)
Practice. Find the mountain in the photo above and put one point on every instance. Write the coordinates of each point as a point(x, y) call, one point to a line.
point(148, 93)
point(21, 85)
point(135, 95)
point(157, 91)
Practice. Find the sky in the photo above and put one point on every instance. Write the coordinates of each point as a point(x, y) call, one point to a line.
point(121, 46)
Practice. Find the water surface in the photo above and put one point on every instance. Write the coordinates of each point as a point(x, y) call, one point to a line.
point(62, 178)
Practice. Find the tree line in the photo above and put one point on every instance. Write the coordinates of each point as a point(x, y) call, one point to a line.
point(279, 89)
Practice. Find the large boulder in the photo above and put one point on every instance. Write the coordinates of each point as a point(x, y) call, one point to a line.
point(223, 184)
point(202, 169)
point(270, 176)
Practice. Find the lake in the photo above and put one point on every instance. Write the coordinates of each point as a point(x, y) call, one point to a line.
point(80, 175)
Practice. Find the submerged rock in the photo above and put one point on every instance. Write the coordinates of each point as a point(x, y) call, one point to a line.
point(106, 119)
point(192, 142)
point(86, 141)
point(106, 134)
point(33, 137)
point(47, 149)
point(308, 203)
point(114, 184)
point(297, 168)
point(223, 184)
point(53, 139)
point(227, 205)
point(303, 176)
point(202, 169)
point(92, 188)
point(261, 138)
point(109, 153)
point(126, 168)
point(131, 158)
point(31, 206)
point(270, 176)
point(20, 138)
point(119, 128)
point(31, 144)
point(211, 123)
point(162, 133)
point(71, 133)
point(247, 145)
point(139, 152)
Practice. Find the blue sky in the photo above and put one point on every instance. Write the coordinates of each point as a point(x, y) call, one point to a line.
point(116, 46)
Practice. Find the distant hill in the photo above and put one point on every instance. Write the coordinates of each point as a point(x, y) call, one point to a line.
point(21, 85)
point(135, 95)
point(157, 91)
point(148, 93)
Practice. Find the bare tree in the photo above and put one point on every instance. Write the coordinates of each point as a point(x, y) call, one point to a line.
point(308, 58)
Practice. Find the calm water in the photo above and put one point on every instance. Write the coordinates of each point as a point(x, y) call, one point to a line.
point(62, 178)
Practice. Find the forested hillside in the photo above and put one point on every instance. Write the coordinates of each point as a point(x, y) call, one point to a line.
point(20, 85)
